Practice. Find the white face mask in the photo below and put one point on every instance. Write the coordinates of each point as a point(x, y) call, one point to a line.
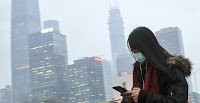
point(139, 57)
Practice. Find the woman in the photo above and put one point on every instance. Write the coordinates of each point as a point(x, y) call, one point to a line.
point(158, 77)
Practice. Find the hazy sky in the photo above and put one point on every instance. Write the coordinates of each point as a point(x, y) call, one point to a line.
point(85, 24)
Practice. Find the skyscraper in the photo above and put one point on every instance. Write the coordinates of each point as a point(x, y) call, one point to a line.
point(25, 19)
point(47, 52)
point(6, 95)
point(117, 37)
point(171, 39)
point(52, 24)
point(56, 29)
point(194, 97)
point(86, 81)
point(125, 64)
point(107, 79)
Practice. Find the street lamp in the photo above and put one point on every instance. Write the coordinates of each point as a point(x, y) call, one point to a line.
point(196, 79)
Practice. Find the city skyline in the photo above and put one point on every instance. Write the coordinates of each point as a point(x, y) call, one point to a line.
point(181, 14)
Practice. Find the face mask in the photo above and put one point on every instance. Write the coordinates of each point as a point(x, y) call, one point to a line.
point(139, 57)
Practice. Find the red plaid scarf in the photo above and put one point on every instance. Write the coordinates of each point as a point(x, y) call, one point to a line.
point(151, 80)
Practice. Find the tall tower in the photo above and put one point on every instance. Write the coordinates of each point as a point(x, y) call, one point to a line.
point(25, 19)
point(47, 56)
point(171, 39)
point(117, 37)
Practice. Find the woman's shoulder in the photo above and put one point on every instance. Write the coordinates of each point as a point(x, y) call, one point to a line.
point(179, 64)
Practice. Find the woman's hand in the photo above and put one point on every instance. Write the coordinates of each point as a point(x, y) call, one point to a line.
point(131, 96)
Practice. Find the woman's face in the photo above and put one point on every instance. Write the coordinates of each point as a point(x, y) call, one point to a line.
point(138, 56)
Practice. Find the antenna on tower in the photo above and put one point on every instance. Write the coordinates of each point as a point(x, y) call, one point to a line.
point(113, 4)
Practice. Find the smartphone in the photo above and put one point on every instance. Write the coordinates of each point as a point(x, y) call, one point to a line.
point(120, 89)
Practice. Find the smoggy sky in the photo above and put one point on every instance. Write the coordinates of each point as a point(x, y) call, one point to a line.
point(85, 24)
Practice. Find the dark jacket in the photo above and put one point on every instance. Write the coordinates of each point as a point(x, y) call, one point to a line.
point(173, 89)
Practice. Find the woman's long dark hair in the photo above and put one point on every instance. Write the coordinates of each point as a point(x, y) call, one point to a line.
point(143, 40)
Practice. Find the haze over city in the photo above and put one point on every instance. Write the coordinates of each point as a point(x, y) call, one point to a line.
point(85, 23)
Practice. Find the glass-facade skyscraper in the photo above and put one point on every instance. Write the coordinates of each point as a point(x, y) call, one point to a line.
point(86, 81)
point(117, 37)
point(47, 56)
point(6, 94)
point(25, 19)
point(124, 64)
point(171, 39)
point(107, 79)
